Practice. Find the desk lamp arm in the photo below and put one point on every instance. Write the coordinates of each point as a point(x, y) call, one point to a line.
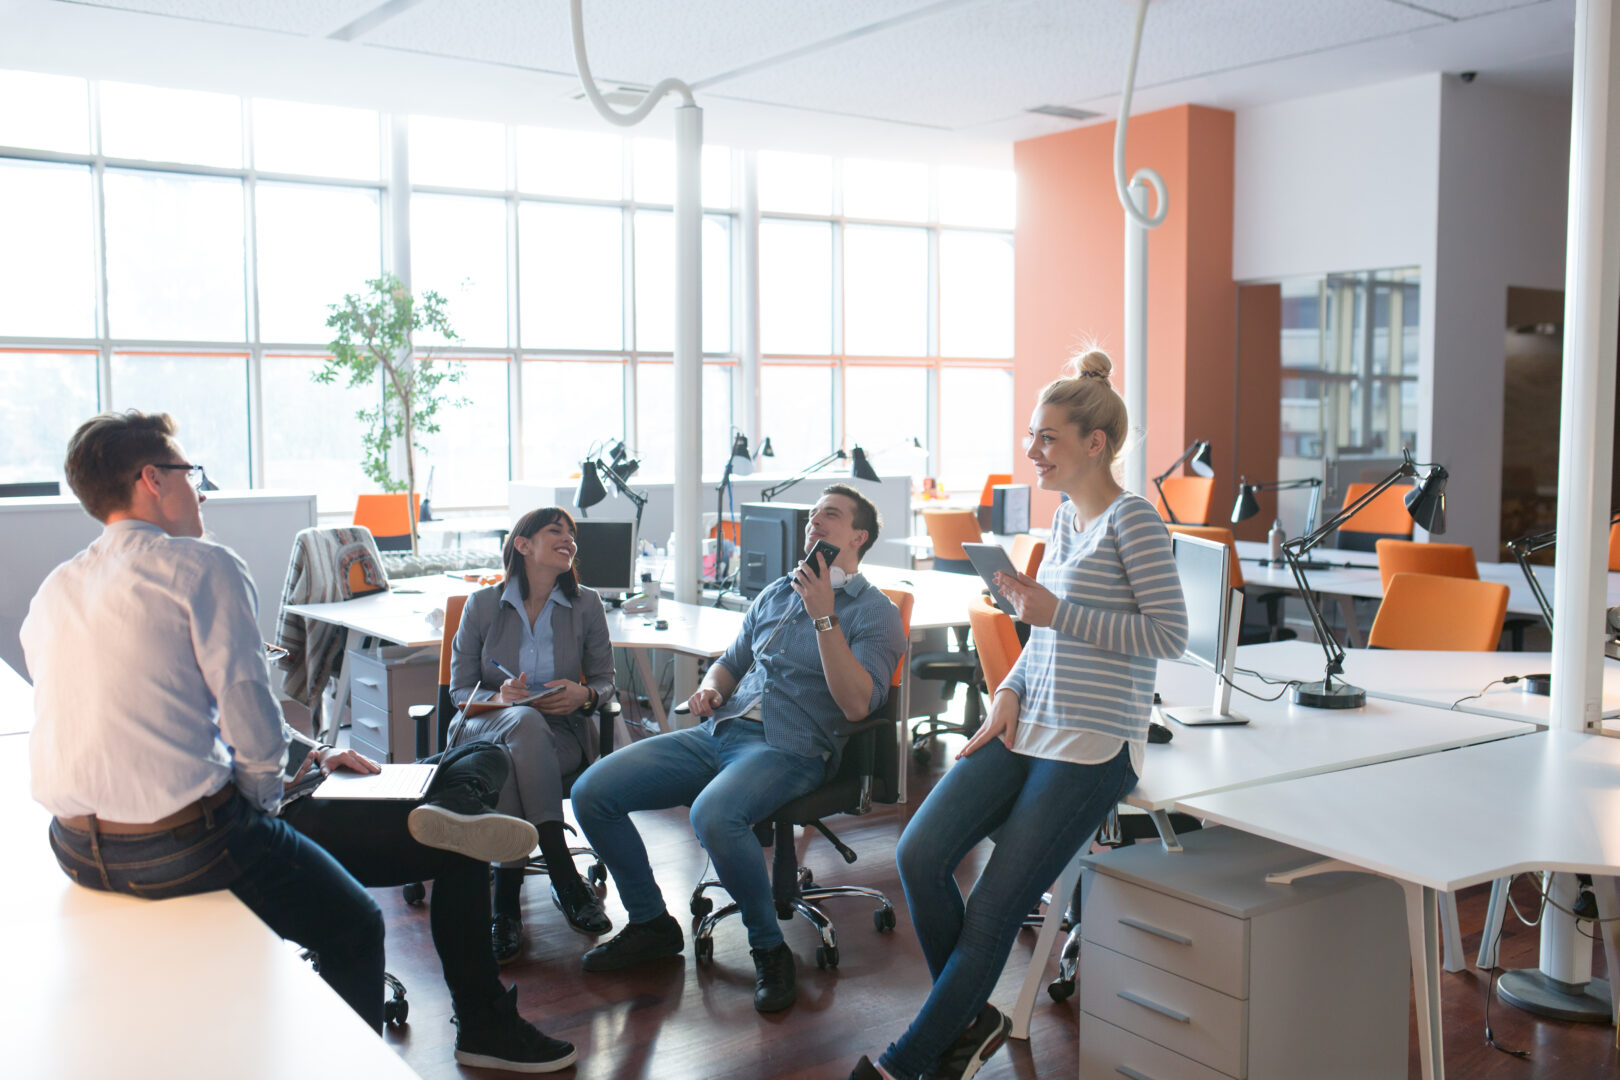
point(776, 489)
point(1158, 481)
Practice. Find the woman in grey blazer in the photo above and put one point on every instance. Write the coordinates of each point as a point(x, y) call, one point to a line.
point(539, 631)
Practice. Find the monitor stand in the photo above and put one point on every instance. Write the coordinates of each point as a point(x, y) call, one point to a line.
point(1218, 711)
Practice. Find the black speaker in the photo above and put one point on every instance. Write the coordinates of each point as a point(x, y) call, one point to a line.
point(772, 541)
point(1009, 508)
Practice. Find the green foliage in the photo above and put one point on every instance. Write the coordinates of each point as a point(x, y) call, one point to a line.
point(372, 332)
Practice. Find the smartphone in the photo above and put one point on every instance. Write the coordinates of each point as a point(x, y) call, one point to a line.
point(828, 551)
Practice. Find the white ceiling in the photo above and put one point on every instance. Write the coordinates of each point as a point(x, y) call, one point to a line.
point(774, 72)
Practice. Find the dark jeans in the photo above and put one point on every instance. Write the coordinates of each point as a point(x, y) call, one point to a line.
point(1041, 812)
point(290, 883)
point(370, 839)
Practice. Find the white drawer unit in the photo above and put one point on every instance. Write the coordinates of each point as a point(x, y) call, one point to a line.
point(384, 682)
point(1192, 967)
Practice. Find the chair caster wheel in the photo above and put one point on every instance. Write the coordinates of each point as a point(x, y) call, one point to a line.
point(807, 880)
point(883, 919)
point(414, 893)
point(701, 906)
point(1060, 990)
point(704, 948)
point(827, 957)
point(596, 875)
point(922, 756)
point(395, 1012)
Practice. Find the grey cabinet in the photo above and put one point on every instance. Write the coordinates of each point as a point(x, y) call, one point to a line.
point(1192, 967)
point(384, 682)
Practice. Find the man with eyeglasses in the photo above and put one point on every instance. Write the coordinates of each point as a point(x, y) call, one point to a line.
point(160, 751)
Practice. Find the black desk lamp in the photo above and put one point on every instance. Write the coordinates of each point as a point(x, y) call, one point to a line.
point(1426, 502)
point(1522, 549)
point(1202, 461)
point(1247, 505)
point(859, 468)
point(591, 491)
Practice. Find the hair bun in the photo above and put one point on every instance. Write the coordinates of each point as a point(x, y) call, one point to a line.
point(1091, 364)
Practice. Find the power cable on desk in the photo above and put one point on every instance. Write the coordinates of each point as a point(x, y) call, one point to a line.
point(1286, 685)
point(1506, 680)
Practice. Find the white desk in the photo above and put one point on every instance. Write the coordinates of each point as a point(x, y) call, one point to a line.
point(401, 614)
point(1338, 558)
point(1547, 801)
point(940, 600)
point(1430, 678)
point(1520, 600)
point(693, 630)
point(195, 986)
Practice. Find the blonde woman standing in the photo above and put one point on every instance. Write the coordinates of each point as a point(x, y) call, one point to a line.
point(1065, 735)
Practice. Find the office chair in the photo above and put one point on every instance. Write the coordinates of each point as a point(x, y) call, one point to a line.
point(1271, 599)
point(987, 497)
point(1384, 518)
point(1411, 557)
point(950, 529)
point(1026, 554)
point(1190, 496)
point(868, 771)
point(387, 518)
point(1427, 611)
point(1614, 547)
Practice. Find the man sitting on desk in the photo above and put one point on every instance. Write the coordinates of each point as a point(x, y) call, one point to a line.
point(159, 749)
point(817, 646)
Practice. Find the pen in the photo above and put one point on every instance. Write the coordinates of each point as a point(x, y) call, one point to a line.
point(502, 668)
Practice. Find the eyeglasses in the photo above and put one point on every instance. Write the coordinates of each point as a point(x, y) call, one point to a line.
point(194, 473)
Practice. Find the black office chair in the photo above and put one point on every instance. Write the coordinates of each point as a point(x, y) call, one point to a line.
point(952, 667)
point(868, 772)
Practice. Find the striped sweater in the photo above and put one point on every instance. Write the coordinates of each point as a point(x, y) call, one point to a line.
point(1088, 678)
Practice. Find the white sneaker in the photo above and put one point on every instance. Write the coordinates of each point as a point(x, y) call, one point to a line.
point(491, 838)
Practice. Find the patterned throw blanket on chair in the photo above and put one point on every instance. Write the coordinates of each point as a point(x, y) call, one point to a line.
point(327, 565)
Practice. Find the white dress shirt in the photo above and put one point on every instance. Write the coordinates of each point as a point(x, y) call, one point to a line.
point(151, 688)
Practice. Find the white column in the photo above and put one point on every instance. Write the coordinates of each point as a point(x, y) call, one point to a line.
point(688, 349)
point(748, 301)
point(1136, 267)
point(397, 236)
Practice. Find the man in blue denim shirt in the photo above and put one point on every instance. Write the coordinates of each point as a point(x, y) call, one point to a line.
point(818, 646)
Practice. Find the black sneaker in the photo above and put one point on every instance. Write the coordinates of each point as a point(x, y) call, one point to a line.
point(865, 1070)
point(581, 907)
point(773, 978)
point(506, 938)
point(974, 1046)
point(498, 1038)
point(636, 944)
point(481, 836)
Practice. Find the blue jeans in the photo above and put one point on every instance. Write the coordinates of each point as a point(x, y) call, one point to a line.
point(731, 780)
point(1041, 812)
point(289, 882)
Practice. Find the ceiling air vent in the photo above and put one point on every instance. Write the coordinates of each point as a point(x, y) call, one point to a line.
point(622, 94)
point(1065, 112)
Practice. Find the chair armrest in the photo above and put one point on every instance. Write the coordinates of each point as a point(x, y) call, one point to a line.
point(846, 728)
point(607, 712)
point(422, 717)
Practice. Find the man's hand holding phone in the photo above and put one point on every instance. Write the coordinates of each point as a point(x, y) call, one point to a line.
point(812, 581)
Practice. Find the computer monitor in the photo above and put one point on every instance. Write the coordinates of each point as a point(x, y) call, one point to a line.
point(772, 542)
point(606, 559)
point(34, 490)
point(1214, 615)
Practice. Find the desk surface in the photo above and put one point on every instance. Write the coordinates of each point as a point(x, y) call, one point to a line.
point(1430, 678)
point(940, 599)
point(1283, 740)
point(694, 629)
point(196, 986)
point(1480, 799)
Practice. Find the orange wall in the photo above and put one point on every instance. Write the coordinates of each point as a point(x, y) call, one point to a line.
point(1069, 274)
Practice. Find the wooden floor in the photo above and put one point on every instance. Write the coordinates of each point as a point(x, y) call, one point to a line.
point(680, 1020)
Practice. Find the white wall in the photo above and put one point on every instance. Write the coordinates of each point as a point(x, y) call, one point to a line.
point(1504, 184)
point(1337, 182)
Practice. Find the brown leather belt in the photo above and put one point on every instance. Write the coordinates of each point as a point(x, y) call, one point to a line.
point(182, 816)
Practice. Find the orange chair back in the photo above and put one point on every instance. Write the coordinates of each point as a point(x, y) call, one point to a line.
point(1427, 611)
point(950, 529)
point(733, 531)
point(385, 515)
point(902, 599)
point(987, 497)
point(1614, 546)
point(453, 606)
point(1220, 536)
point(1386, 514)
point(1190, 496)
point(995, 640)
point(1027, 553)
point(1411, 557)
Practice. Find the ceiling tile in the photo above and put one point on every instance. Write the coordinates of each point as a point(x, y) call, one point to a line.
point(310, 17)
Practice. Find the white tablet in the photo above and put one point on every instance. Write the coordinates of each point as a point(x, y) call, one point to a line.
point(988, 560)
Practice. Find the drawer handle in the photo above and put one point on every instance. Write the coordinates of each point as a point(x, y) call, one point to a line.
point(1149, 928)
point(1148, 1003)
point(366, 682)
point(363, 722)
point(1130, 1073)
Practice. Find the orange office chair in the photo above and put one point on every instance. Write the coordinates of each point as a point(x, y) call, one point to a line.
point(1428, 611)
point(1383, 518)
point(1027, 553)
point(1271, 600)
point(996, 640)
point(1411, 557)
point(986, 496)
point(1614, 546)
point(1190, 497)
point(386, 517)
point(949, 530)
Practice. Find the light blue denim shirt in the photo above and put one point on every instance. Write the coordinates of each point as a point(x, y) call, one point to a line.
point(536, 657)
point(786, 679)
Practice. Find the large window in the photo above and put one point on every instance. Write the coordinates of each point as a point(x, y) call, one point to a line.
point(180, 250)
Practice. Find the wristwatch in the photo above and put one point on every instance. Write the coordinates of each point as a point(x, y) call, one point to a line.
point(825, 623)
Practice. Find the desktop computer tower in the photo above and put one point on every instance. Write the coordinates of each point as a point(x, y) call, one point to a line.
point(772, 542)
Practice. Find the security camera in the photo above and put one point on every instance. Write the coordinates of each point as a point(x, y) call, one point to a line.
point(1468, 76)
